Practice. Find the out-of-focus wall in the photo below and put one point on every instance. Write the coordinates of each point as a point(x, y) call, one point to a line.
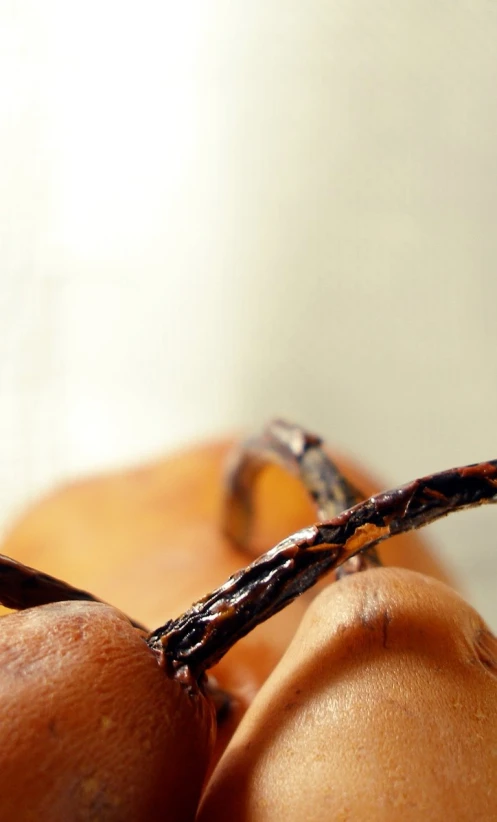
point(214, 212)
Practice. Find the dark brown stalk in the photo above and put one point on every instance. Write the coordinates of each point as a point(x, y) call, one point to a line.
point(197, 639)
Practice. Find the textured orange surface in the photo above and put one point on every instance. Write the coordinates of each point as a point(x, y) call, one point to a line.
point(92, 728)
point(383, 708)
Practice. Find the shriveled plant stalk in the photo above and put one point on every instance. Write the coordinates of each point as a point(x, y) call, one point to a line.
point(197, 639)
point(301, 454)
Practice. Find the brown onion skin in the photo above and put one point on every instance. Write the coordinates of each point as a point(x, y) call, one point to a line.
point(384, 707)
point(91, 727)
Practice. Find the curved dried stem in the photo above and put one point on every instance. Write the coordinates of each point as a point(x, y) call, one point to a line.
point(296, 451)
point(203, 634)
point(299, 453)
point(23, 587)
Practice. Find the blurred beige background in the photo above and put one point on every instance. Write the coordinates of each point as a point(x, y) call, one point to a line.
point(212, 213)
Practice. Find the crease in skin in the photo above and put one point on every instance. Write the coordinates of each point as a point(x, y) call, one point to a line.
point(388, 610)
point(486, 649)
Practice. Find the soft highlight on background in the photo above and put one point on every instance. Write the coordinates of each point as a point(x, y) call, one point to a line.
point(212, 213)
